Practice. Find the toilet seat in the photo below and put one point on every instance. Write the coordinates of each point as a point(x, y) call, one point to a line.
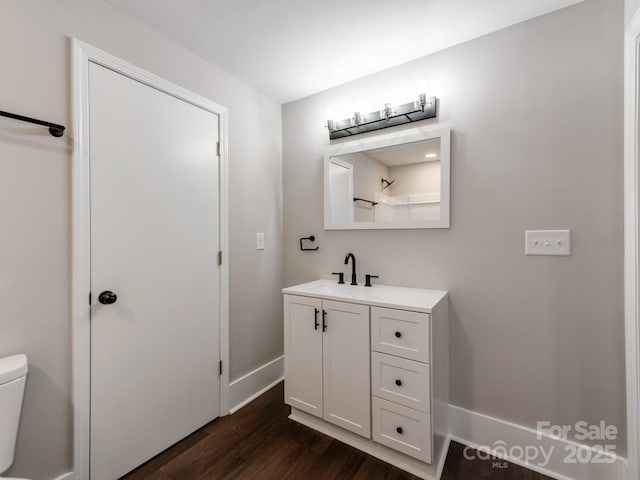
point(13, 376)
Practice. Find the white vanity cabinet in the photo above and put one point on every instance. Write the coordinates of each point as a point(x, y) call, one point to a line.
point(401, 381)
point(327, 361)
point(370, 367)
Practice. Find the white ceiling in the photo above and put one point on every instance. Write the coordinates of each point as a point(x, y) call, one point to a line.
point(407, 153)
point(289, 49)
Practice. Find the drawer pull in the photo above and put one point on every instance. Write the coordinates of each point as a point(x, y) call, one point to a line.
point(399, 430)
point(398, 334)
point(398, 382)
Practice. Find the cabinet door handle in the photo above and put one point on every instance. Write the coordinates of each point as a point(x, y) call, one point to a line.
point(398, 334)
point(398, 382)
point(324, 320)
point(399, 430)
point(316, 323)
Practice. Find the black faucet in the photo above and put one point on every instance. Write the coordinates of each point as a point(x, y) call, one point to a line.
point(353, 267)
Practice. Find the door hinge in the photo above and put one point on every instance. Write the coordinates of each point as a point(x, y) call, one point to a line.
point(218, 148)
point(220, 258)
point(89, 298)
point(220, 368)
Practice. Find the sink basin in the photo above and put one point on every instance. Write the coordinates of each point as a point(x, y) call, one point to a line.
point(336, 289)
point(417, 299)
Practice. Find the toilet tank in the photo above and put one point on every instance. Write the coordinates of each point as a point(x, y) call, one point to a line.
point(13, 374)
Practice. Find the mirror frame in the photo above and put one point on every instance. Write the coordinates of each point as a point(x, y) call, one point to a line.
point(416, 134)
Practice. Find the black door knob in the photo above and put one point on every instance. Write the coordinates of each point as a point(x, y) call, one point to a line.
point(399, 382)
point(107, 297)
point(399, 430)
point(398, 334)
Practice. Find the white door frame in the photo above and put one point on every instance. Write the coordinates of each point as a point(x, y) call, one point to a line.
point(83, 54)
point(631, 236)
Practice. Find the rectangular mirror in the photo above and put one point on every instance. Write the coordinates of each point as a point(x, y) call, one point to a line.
point(395, 180)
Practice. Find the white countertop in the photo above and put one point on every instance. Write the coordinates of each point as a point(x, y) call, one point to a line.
point(415, 299)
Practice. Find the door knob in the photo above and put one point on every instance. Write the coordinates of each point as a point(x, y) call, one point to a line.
point(107, 297)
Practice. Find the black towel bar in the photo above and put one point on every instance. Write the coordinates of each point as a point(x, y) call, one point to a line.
point(54, 129)
point(357, 199)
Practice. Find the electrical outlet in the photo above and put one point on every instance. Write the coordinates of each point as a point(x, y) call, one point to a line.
point(547, 242)
point(259, 241)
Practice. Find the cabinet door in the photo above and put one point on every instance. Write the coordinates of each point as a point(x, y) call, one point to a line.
point(345, 357)
point(303, 353)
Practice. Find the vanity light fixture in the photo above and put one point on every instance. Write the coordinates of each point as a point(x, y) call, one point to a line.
point(431, 155)
point(389, 116)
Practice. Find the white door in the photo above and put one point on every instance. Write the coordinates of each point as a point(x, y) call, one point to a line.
point(345, 358)
point(303, 353)
point(154, 244)
point(341, 194)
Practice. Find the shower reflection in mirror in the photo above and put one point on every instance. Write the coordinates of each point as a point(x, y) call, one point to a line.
point(391, 181)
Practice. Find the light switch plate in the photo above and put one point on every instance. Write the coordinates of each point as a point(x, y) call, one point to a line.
point(259, 241)
point(547, 242)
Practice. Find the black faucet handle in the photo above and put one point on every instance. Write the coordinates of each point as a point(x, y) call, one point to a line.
point(367, 280)
point(340, 276)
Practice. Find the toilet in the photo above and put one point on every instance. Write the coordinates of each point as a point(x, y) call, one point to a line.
point(13, 375)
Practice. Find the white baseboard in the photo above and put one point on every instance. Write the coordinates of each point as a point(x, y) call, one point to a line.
point(66, 476)
point(255, 383)
point(499, 437)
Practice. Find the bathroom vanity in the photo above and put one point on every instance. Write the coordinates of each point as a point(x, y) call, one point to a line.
point(369, 366)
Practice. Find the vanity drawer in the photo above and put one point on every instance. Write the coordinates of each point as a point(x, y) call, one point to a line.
point(401, 333)
point(401, 381)
point(403, 429)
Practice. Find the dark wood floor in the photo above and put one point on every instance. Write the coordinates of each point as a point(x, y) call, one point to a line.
point(259, 442)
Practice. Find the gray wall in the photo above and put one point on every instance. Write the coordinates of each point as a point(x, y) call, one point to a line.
point(631, 6)
point(536, 115)
point(35, 204)
point(367, 173)
point(415, 178)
